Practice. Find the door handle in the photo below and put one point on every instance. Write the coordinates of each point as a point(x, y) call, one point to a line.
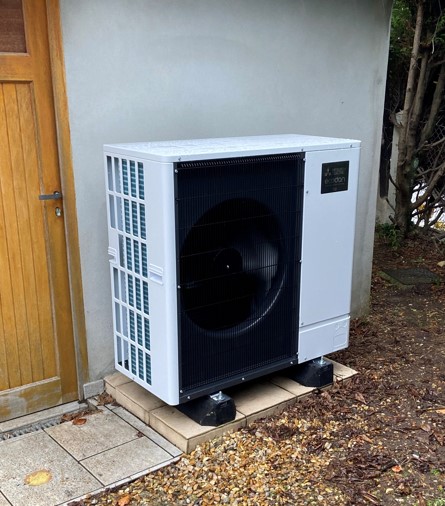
point(51, 196)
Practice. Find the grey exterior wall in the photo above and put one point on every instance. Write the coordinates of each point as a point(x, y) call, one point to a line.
point(174, 69)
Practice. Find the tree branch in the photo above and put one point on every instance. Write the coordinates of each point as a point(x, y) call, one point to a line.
point(394, 183)
point(410, 84)
point(435, 106)
point(416, 110)
point(433, 144)
point(431, 185)
point(389, 204)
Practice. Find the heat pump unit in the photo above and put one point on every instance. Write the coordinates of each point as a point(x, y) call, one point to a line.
point(230, 258)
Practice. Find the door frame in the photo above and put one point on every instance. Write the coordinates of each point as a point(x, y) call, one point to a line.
point(68, 190)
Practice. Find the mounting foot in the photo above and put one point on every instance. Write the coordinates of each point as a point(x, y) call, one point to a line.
point(213, 410)
point(314, 373)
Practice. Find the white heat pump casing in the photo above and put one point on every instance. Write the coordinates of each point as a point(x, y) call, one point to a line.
point(326, 257)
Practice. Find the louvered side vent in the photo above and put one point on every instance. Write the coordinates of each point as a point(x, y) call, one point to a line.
point(129, 275)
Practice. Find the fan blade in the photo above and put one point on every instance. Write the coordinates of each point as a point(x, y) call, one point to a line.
point(259, 256)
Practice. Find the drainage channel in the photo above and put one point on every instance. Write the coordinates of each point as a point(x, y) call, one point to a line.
point(41, 424)
point(33, 427)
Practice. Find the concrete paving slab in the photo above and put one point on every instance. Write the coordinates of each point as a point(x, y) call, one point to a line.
point(137, 400)
point(125, 460)
point(261, 399)
point(23, 455)
point(342, 372)
point(4, 501)
point(115, 380)
point(292, 386)
point(103, 430)
point(186, 434)
point(147, 431)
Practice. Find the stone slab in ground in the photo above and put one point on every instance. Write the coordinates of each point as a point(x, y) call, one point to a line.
point(410, 277)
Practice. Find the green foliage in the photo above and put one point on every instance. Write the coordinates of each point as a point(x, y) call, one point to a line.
point(436, 502)
point(390, 234)
point(402, 31)
point(403, 23)
point(421, 125)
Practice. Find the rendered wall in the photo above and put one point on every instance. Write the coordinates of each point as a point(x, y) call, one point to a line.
point(174, 69)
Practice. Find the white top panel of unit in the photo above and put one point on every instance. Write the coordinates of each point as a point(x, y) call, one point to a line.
point(230, 147)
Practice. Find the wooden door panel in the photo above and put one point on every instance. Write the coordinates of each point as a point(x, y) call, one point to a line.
point(25, 238)
point(37, 363)
point(30, 398)
point(10, 374)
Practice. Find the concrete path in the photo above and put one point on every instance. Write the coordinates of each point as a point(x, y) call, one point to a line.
point(60, 463)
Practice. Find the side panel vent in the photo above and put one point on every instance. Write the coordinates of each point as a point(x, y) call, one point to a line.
point(129, 274)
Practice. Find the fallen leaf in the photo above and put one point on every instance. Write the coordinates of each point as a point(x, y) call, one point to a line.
point(360, 397)
point(441, 263)
point(439, 437)
point(440, 411)
point(124, 500)
point(79, 421)
point(105, 398)
point(371, 498)
point(425, 427)
point(38, 478)
point(396, 469)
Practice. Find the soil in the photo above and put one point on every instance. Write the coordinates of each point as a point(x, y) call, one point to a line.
point(377, 439)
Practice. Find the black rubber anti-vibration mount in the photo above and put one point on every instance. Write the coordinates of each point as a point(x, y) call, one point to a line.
point(214, 410)
point(318, 373)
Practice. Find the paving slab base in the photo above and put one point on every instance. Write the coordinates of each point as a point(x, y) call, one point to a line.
point(258, 399)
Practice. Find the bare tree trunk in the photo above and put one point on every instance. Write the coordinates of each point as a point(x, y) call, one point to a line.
point(406, 149)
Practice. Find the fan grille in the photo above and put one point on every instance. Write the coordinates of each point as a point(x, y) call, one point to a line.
point(238, 242)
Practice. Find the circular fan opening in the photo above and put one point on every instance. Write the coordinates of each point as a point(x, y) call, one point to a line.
point(232, 266)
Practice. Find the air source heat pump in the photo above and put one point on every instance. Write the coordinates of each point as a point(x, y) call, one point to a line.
point(230, 258)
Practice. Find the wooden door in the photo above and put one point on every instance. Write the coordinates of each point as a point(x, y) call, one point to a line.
point(37, 357)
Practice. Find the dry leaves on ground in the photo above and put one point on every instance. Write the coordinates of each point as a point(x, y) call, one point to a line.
point(378, 439)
